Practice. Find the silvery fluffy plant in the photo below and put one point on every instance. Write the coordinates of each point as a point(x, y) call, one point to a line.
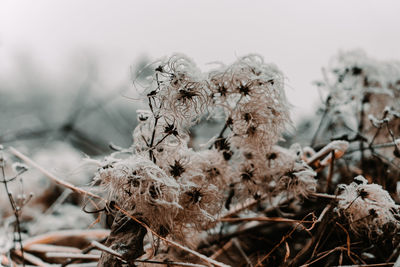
point(174, 188)
point(368, 209)
point(363, 107)
point(361, 92)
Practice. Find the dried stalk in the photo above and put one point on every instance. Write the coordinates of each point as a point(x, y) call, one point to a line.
point(16, 209)
point(45, 248)
point(60, 235)
point(32, 259)
point(54, 178)
point(79, 256)
point(118, 255)
point(263, 219)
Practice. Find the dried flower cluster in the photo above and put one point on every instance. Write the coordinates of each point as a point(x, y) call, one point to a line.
point(252, 95)
point(363, 107)
point(206, 182)
point(138, 185)
point(172, 186)
point(363, 90)
point(358, 75)
point(368, 209)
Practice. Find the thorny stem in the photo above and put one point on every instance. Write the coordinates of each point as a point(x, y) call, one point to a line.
point(15, 208)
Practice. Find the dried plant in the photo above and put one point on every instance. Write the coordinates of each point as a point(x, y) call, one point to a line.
point(369, 209)
point(246, 196)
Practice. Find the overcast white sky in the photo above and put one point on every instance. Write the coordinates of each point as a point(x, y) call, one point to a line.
point(299, 36)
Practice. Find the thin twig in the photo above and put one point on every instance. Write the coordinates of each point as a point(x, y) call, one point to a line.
point(324, 254)
point(348, 241)
point(326, 109)
point(376, 154)
point(88, 264)
point(118, 255)
point(69, 255)
point(242, 206)
point(152, 140)
point(55, 236)
point(107, 249)
point(239, 247)
point(324, 195)
point(372, 147)
point(371, 265)
point(226, 125)
point(222, 249)
point(32, 259)
point(322, 215)
point(16, 209)
point(397, 263)
point(263, 219)
point(84, 251)
point(44, 248)
point(284, 238)
point(360, 128)
point(330, 173)
point(50, 175)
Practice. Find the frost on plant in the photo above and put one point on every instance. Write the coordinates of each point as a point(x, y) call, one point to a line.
point(212, 175)
point(362, 90)
point(140, 186)
point(368, 209)
point(253, 98)
point(174, 188)
point(362, 107)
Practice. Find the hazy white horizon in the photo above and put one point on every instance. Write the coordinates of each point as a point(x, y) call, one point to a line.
point(298, 36)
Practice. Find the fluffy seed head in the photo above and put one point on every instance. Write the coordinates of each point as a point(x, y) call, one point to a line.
point(369, 209)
